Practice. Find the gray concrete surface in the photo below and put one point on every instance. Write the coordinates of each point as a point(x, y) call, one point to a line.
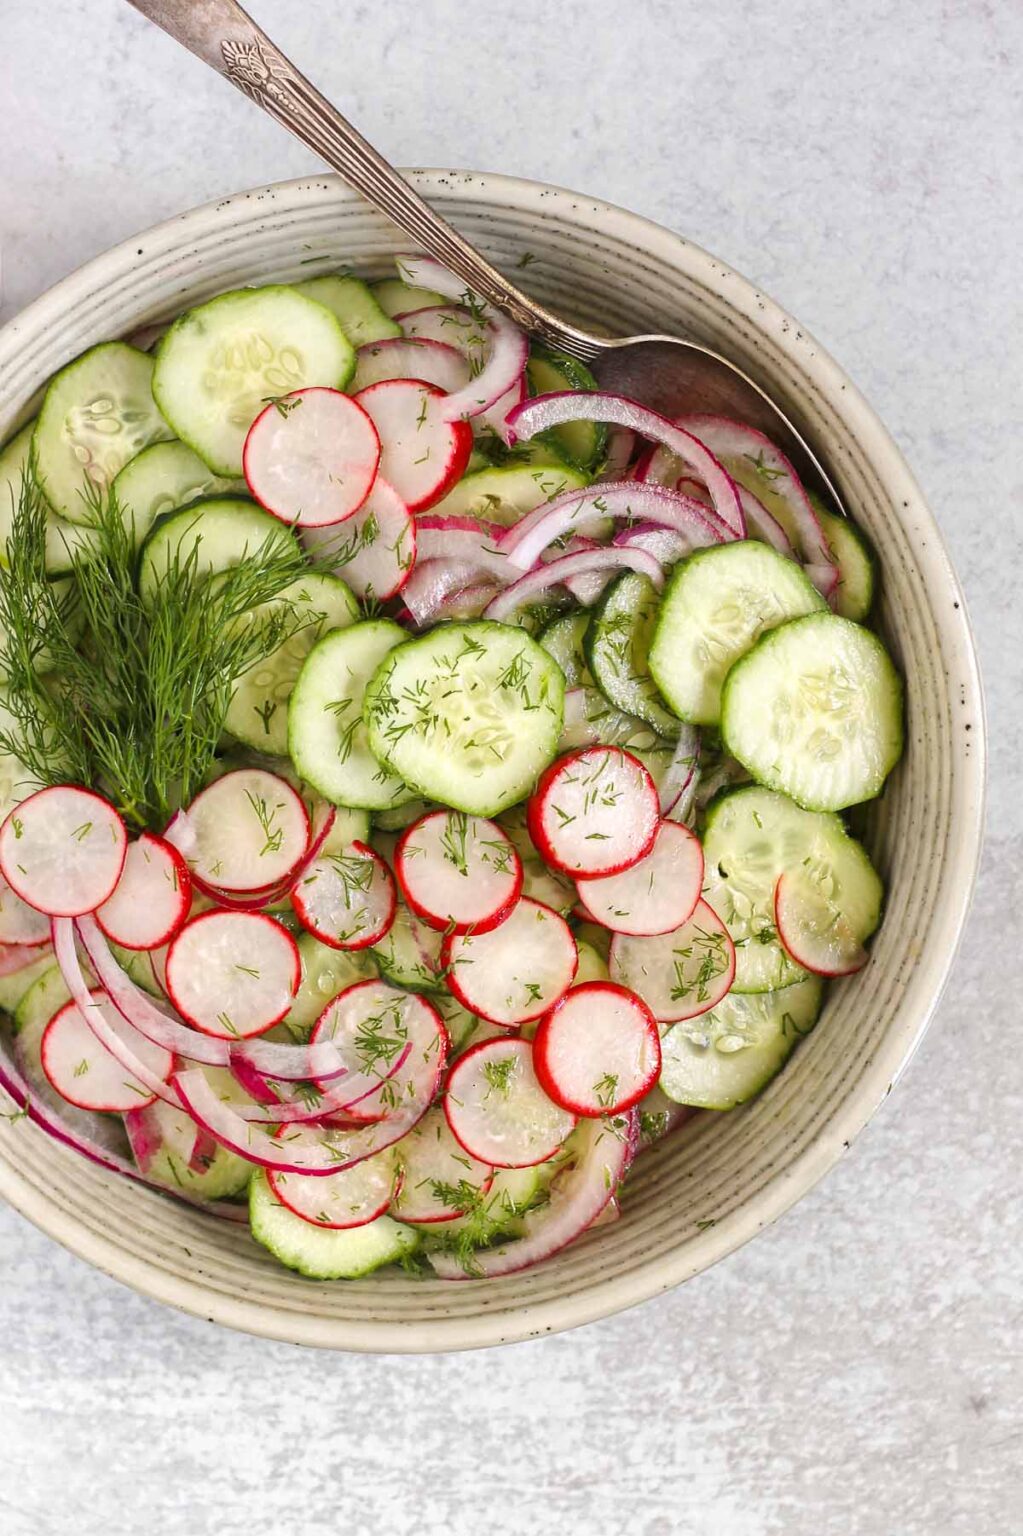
point(857, 1369)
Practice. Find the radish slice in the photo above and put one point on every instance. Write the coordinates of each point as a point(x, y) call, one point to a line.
point(598, 1051)
point(655, 895)
point(458, 872)
point(233, 974)
point(601, 1153)
point(594, 812)
point(376, 549)
point(813, 930)
point(745, 451)
point(678, 975)
point(604, 561)
point(507, 348)
point(350, 1198)
point(516, 971)
point(422, 452)
point(527, 539)
point(21, 924)
point(433, 361)
point(457, 326)
point(347, 899)
point(15, 957)
point(246, 832)
point(152, 897)
point(553, 410)
point(85, 1073)
point(62, 850)
point(311, 457)
point(397, 1034)
point(440, 1178)
point(498, 1111)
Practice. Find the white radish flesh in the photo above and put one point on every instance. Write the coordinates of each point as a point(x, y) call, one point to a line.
point(233, 974)
point(350, 1198)
point(375, 550)
point(85, 1073)
point(346, 899)
point(440, 1179)
point(516, 971)
point(681, 974)
point(245, 832)
point(152, 897)
point(497, 1109)
point(434, 361)
point(62, 850)
point(458, 872)
point(371, 1024)
point(656, 894)
point(21, 924)
point(594, 812)
point(812, 929)
point(598, 1050)
point(311, 457)
point(421, 453)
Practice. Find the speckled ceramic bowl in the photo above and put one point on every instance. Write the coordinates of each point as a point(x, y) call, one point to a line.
point(715, 1184)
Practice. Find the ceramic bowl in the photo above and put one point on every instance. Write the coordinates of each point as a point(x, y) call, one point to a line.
point(720, 1180)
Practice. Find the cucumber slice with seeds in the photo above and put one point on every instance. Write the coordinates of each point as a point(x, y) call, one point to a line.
point(224, 531)
point(815, 710)
point(258, 712)
point(717, 604)
point(353, 305)
point(324, 1253)
point(97, 414)
point(563, 639)
point(617, 648)
point(219, 364)
point(726, 1056)
point(855, 561)
point(163, 478)
point(468, 714)
point(752, 837)
point(581, 443)
point(397, 298)
point(64, 540)
point(18, 984)
point(327, 739)
point(505, 495)
point(325, 973)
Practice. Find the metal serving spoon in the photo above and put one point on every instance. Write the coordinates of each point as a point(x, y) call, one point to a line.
point(667, 373)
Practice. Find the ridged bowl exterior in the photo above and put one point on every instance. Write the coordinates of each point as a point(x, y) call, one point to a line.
point(716, 1183)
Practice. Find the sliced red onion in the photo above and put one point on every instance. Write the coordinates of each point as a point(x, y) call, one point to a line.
point(507, 352)
point(736, 444)
point(447, 538)
point(681, 771)
point(497, 416)
point(435, 583)
point(544, 577)
point(590, 720)
point(621, 445)
point(547, 411)
point(469, 603)
point(666, 546)
point(579, 1194)
point(526, 540)
point(760, 523)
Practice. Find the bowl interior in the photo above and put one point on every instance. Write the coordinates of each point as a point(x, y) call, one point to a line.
point(716, 1182)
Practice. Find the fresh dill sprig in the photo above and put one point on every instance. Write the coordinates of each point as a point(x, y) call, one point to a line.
point(129, 696)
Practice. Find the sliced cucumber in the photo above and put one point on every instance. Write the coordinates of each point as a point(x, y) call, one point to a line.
point(258, 712)
point(563, 639)
point(97, 414)
point(327, 739)
point(397, 298)
point(505, 495)
point(726, 1056)
point(469, 714)
point(512, 1193)
point(590, 719)
point(458, 1021)
point(217, 1176)
point(139, 965)
point(815, 710)
point(538, 880)
point(402, 816)
point(223, 530)
point(855, 560)
point(353, 305)
point(618, 647)
point(324, 1253)
point(752, 837)
point(64, 540)
point(717, 604)
point(325, 973)
point(219, 364)
point(410, 954)
point(17, 984)
point(592, 965)
point(41, 1000)
point(163, 478)
point(581, 443)
point(350, 826)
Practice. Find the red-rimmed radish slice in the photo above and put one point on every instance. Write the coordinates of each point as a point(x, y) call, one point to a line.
point(21, 924)
point(245, 832)
point(506, 350)
point(62, 850)
point(15, 957)
point(600, 561)
point(375, 550)
point(85, 1073)
point(434, 361)
point(373, 1022)
point(346, 899)
point(813, 930)
point(594, 812)
point(498, 1111)
point(233, 974)
point(546, 411)
point(516, 971)
point(573, 511)
point(422, 454)
point(657, 894)
point(440, 1179)
point(598, 1050)
point(457, 872)
point(350, 1198)
point(152, 897)
point(311, 457)
point(455, 325)
point(601, 1151)
point(678, 975)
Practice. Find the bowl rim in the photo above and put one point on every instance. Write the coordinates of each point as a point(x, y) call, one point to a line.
point(832, 1139)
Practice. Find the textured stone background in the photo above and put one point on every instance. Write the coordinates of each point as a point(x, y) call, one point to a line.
point(857, 1369)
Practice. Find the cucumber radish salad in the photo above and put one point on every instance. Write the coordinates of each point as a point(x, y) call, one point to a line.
point(422, 775)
